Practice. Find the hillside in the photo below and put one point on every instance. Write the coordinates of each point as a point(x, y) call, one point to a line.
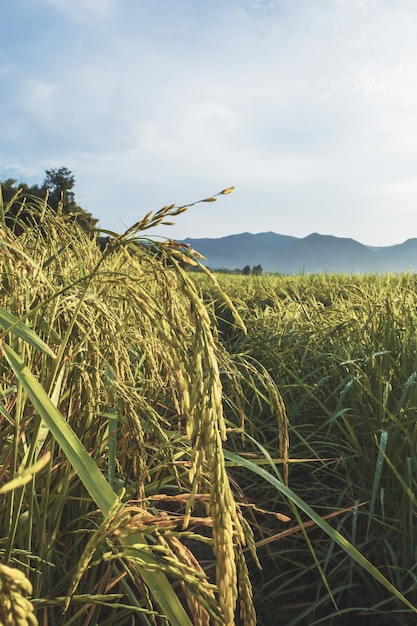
point(314, 253)
point(236, 251)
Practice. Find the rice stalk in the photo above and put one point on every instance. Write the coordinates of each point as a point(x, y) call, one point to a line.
point(110, 365)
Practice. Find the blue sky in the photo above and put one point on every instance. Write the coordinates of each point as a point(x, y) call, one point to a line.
point(307, 107)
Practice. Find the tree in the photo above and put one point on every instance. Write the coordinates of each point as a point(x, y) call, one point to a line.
point(246, 270)
point(257, 270)
point(14, 200)
point(58, 184)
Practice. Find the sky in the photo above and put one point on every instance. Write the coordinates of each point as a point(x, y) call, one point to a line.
point(307, 107)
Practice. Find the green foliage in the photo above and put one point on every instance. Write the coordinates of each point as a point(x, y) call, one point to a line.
point(145, 416)
point(116, 504)
point(60, 183)
point(56, 192)
point(257, 270)
point(342, 351)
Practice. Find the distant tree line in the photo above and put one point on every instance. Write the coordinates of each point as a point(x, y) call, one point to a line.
point(257, 270)
point(57, 187)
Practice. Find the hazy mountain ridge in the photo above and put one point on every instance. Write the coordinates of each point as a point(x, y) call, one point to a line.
point(314, 253)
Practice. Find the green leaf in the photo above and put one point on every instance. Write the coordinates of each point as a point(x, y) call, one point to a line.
point(377, 478)
point(10, 322)
point(333, 534)
point(95, 483)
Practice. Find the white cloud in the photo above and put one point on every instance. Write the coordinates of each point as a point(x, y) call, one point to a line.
point(304, 105)
point(80, 10)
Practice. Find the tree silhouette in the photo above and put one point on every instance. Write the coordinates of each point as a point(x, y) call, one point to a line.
point(257, 270)
point(60, 182)
point(57, 187)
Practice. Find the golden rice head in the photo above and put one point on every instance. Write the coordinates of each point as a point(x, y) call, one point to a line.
point(15, 608)
point(247, 609)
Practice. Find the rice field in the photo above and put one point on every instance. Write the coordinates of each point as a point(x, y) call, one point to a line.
point(187, 448)
point(342, 352)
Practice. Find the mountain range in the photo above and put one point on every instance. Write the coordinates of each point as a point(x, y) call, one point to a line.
point(312, 254)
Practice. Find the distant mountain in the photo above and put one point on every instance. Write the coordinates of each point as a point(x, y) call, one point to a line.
point(318, 253)
point(401, 257)
point(236, 251)
point(314, 253)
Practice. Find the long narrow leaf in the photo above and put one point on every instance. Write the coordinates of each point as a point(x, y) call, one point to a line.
point(95, 483)
point(377, 478)
point(333, 534)
point(9, 321)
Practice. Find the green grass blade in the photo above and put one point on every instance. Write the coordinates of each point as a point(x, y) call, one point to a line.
point(95, 483)
point(10, 322)
point(89, 473)
point(333, 534)
point(377, 477)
